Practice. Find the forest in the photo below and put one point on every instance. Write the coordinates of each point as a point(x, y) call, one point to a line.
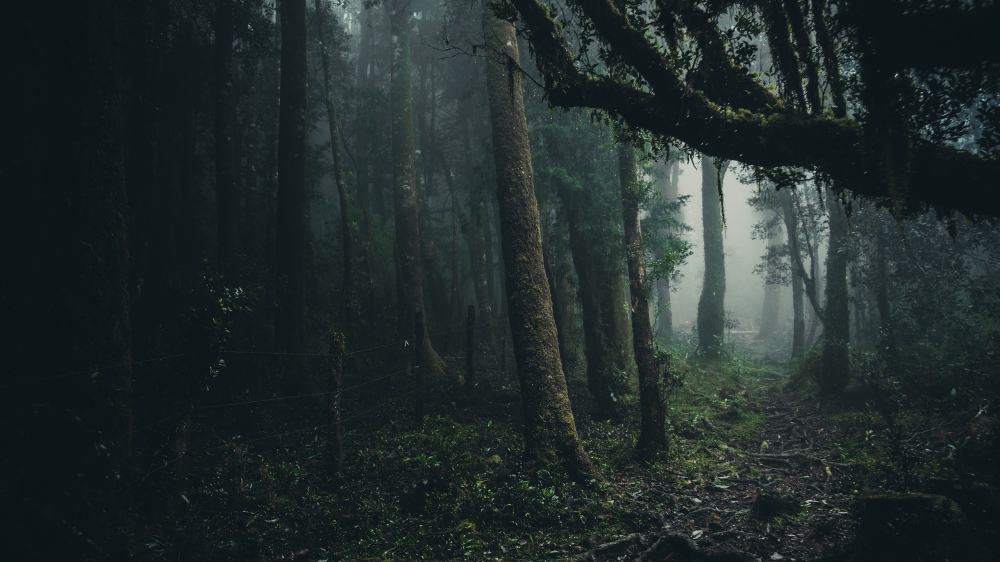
point(588, 280)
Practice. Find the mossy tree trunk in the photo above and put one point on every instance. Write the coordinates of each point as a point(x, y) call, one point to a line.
point(711, 305)
point(406, 201)
point(595, 291)
point(550, 430)
point(836, 313)
point(346, 230)
point(652, 432)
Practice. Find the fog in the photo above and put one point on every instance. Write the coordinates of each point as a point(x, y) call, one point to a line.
point(744, 288)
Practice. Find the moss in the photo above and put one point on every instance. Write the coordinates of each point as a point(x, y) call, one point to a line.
point(805, 377)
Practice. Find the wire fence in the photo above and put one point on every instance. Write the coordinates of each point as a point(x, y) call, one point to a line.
point(343, 393)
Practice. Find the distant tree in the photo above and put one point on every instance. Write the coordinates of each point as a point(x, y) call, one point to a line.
point(406, 201)
point(711, 304)
point(550, 429)
point(290, 227)
point(346, 228)
point(227, 197)
point(770, 316)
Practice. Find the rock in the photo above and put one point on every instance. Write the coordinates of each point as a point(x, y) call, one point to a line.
point(857, 394)
point(981, 453)
point(768, 505)
point(908, 527)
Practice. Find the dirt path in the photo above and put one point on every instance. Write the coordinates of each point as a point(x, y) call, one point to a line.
point(788, 500)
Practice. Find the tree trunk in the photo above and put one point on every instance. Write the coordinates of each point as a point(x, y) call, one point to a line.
point(836, 321)
point(711, 305)
point(795, 259)
point(227, 197)
point(478, 265)
point(652, 433)
point(598, 325)
point(346, 230)
point(66, 327)
point(436, 287)
point(770, 315)
point(887, 335)
point(664, 314)
point(550, 430)
point(290, 228)
point(405, 191)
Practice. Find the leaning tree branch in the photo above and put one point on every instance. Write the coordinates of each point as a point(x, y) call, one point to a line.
point(941, 176)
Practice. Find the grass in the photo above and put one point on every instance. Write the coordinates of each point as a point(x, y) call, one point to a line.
point(455, 488)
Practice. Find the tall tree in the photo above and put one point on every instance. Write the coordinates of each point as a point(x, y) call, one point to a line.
point(771, 312)
point(346, 229)
point(550, 429)
point(226, 194)
point(836, 321)
point(290, 227)
point(795, 258)
point(404, 182)
point(669, 190)
point(652, 432)
point(65, 300)
point(711, 305)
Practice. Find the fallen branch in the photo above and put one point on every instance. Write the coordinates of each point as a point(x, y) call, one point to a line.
point(673, 543)
point(614, 546)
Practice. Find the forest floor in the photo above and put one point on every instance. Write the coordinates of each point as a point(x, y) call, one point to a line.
point(753, 468)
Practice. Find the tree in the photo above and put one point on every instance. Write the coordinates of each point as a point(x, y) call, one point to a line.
point(771, 311)
point(711, 305)
point(227, 197)
point(669, 191)
point(652, 432)
point(674, 71)
point(66, 295)
point(836, 312)
point(290, 226)
point(346, 228)
point(787, 208)
point(405, 190)
point(578, 165)
point(549, 428)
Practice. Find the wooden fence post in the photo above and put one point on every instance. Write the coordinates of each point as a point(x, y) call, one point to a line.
point(503, 356)
point(470, 349)
point(333, 400)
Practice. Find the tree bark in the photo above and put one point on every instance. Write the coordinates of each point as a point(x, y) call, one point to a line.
point(595, 292)
point(836, 322)
point(795, 260)
point(711, 305)
point(550, 430)
point(290, 228)
point(652, 432)
point(346, 230)
point(405, 193)
point(227, 197)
